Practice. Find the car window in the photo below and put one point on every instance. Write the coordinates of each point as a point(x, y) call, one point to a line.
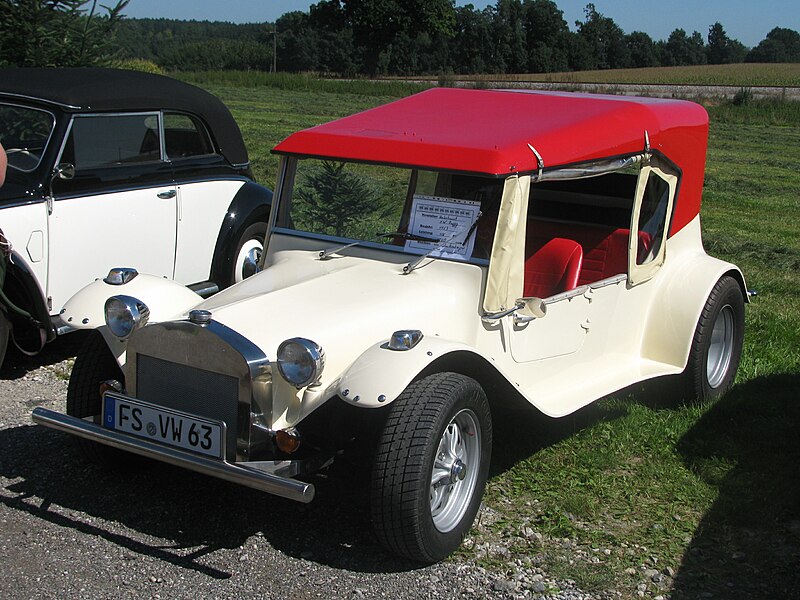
point(423, 211)
point(652, 218)
point(24, 133)
point(109, 140)
point(185, 136)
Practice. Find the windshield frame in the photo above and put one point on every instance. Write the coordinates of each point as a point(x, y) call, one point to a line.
point(53, 122)
point(285, 188)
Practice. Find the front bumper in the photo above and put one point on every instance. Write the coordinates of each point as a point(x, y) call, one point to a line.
point(260, 475)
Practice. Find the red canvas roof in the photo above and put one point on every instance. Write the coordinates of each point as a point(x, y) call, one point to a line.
point(488, 131)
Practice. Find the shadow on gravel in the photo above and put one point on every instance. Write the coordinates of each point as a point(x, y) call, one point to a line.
point(16, 365)
point(198, 514)
point(748, 446)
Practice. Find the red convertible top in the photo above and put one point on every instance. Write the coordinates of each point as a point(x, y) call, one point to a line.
point(488, 132)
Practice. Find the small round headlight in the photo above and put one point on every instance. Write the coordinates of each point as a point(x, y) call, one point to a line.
point(300, 361)
point(125, 314)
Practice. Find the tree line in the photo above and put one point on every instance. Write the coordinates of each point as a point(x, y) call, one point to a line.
point(369, 37)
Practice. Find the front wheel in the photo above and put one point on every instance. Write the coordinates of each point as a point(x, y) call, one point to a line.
point(247, 252)
point(717, 343)
point(94, 365)
point(431, 466)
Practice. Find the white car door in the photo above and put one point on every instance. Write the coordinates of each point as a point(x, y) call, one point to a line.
point(119, 210)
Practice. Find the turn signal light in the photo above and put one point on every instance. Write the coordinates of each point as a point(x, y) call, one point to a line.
point(287, 440)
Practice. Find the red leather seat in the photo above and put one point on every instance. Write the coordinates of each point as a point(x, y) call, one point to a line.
point(552, 268)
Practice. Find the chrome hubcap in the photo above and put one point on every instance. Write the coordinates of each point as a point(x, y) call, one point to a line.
point(720, 350)
point(247, 260)
point(452, 479)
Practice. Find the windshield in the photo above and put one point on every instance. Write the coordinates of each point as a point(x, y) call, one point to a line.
point(449, 215)
point(24, 133)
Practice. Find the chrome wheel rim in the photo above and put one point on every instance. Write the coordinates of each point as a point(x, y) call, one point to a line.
point(247, 260)
point(455, 470)
point(720, 350)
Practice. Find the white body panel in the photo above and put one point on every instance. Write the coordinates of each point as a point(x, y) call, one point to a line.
point(201, 210)
point(90, 235)
point(25, 226)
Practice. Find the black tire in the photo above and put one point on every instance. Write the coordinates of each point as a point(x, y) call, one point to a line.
point(717, 343)
point(411, 516)
point(243, 258)
point(94, 364)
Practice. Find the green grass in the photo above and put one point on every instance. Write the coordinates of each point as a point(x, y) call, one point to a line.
point(710, 493)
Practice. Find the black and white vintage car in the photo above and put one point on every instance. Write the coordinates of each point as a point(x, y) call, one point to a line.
point(111, 167)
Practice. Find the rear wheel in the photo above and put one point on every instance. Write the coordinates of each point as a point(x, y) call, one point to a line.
point(717, 343)
point(431, 466)
point(94, 365)
point(248, 252)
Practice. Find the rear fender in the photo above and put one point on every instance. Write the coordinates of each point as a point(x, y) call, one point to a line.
point(250, 205)
point(675, 313)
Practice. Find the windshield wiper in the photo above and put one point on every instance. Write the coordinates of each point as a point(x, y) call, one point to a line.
point(402, 235)
point(443, 243)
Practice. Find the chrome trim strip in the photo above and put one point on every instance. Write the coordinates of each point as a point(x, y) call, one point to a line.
point(38, 99)
point(578, 291)
point(613, 280)
point(255, 478)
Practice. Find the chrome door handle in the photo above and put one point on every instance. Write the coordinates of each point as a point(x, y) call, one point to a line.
point(167, 195)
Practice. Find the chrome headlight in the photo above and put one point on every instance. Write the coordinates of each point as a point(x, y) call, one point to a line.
point(125, 314)
point(300, 361)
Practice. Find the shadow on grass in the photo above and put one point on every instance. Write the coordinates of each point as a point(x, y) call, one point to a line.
point(748, 446)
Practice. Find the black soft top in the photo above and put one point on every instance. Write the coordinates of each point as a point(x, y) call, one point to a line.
point(104, 90)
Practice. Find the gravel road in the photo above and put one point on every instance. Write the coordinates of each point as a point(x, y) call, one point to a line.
point(74, 530)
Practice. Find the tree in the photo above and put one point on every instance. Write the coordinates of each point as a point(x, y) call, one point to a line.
point(377, 24)
point(780, 45)
point(57, 33)
point(605, 40)
point(681, 49)
point(643, 51)
point(722, 49)
point(332, 200)
point(547, 36)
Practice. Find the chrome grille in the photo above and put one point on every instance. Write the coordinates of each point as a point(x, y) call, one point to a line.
point(190, 390)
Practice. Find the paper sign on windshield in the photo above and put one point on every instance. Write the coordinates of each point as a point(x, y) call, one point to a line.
point(446, 219)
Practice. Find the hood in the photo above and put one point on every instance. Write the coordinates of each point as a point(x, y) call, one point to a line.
point(347, 304)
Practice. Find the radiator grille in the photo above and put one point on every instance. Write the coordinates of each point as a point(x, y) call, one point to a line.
point(189, 390)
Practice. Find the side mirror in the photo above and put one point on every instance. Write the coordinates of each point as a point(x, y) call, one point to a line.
point(529, 309)
point(65, 171)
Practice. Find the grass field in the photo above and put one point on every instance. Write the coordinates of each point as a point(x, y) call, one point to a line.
point(739, 75)
point(632, 494)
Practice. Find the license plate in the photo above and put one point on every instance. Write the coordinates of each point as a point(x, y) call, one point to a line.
point(163, 425)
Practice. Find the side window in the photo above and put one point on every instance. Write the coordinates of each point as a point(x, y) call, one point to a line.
point(652, 218)
point(655, 193)
point(185, 136)
point(106, 141)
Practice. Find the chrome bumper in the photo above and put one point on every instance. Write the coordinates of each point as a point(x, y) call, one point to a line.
point(257, 478)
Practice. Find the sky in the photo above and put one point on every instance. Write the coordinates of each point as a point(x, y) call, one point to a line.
point(745, 20)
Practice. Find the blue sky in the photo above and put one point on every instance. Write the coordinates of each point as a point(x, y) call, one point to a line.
point(746, 20)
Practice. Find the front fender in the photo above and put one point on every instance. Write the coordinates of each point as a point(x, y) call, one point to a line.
point(165, 299)
point(379, 375)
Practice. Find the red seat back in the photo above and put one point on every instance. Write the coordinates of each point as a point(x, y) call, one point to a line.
point(552, 268)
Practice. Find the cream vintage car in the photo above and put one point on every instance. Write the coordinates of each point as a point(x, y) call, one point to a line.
point(426, 262)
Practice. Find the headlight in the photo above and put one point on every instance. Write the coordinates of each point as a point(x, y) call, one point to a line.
point(300, 361)
point(125, 314)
